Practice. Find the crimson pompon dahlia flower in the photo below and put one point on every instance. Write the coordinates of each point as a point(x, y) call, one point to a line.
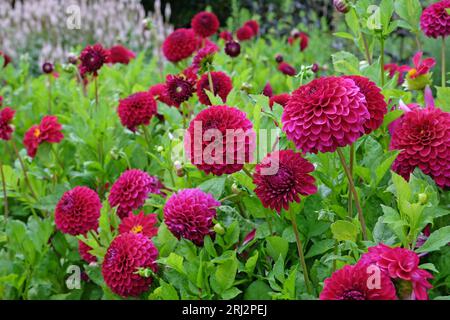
point(204, 57)
point(281, 178)
point(130, 191)
point(78, 211)
point(159, 92)
point(221, 84)
point(226, 35)
point(220, 140)
point(205, 24)
point(179, 45)
point(435, 19)
point(376, 105)
point(120, 54)
point(232, 48)
point(244, 33)
point(6, 117)
point(287, 69)
point(352, 283)
point(179, 88)
point(189, 214)
point(136, 109)
point(93, 58)
point(303, 37)
point(325, 114)
point(423, 135)
point(402, 266)
point(254, 25)
point(126, 254)
point(84, 251)
point(49, 130)
point(281, 99)
point(140, 223)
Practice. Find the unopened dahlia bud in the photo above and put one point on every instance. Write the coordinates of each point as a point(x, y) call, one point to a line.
point(315, 68)
point(343, 6)
point(178, 168)
point(47, 67)
point(232, 48)
point(279, 58)
point(247, 87)
point(160, 149)
point(423, 198)
point(72, 58)
point(235, 189)
point(219, 229)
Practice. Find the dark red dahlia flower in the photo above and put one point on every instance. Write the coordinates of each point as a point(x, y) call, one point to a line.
point(220, 140)
point(325, 114)
point(204, 57)
point(254, 25)
point(159, 92)
point(47, 67)
point(281, 99)
point(130, 191)
point(226, 35)
point(287, 69)
point(179, 45)
point(49, 130)
point(279, 58)
point(352, 283)
point(6, 58)
point(423, 135)
point(244, 33)
point(6, 117)
point(92, 59)
point(126, 254)
point(315, 68)
point(232, 48)
point(136, 109)
point(281, 177)
point(120, 54)
point(205, 24)
point(189, 214)
point(343, 6)
point(84, 251)
point(401, 265)
point(304, 40)
point(140, 223)
point(179, 88)
point(221, 84)
point(267, 90)
point(78, 211)
point(376, 105)
point(435, 19)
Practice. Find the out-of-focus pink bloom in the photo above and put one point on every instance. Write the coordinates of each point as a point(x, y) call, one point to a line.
point(421, 66)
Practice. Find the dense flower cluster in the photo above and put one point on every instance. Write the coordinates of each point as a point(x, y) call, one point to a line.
point(136, 109)
point(435, 19)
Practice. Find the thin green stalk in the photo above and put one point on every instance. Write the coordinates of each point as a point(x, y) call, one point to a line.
point(5, 196)
point(300, 253)
point(366, 48)
point(382, 59)
point(211, 86)
point(50, 94)
point(24, 169)
point(147, 137)
point(350, 200)
point(247, 172)
point(443, 62)
point(355, 194)
point(96, 92)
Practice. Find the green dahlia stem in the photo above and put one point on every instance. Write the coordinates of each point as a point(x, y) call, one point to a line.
point(366, 48)
point(211, 86)
point(24, 169)
point(443, 62)
point(96, 92)
point(350, 201)
point(50, 94)
point(5, 196)
point(300, 253)
point(382, 59)
point(355, 194)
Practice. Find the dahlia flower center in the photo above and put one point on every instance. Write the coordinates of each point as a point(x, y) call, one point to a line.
point(353, 295)
point(37, 132)
point(412, 72)
point(282, 181)
point(137, 228)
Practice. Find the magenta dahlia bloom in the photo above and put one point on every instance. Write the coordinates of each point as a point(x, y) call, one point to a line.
point(84, 251)
point(376, 105)
point(92, 59)
point(6, 117)
point(435, 20)
point(120, 54)
point(126, 254)
point(136, 109)
point(179, 45)
point(281, 178)
point(189, 214)
point(228, 131)
point(159, 92)
point(401, 265)
point(78, 211)
point(254, 25)
point(221, 84)
point(205, 24)
point(204, 57)
point(325, 114)
point(179, 88)
point(351, 283)
point(287, 69)
point(244, 33)
point(130, 191)
point(423, 135)
point(139, 223)
point(49, 130)
point(281, 99)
